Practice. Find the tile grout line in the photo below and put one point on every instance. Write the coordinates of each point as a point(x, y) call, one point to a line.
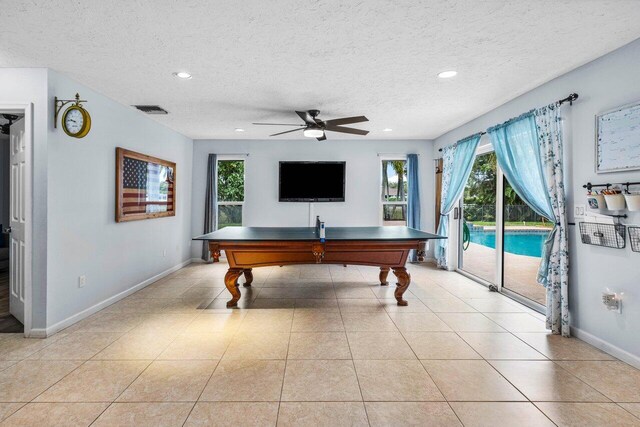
point(233, 335)
point(626, 410)
point(486, 361)
point(429, 375)
point(286, 360)
point(151, 361)
point(353, 363)
point(546, 359)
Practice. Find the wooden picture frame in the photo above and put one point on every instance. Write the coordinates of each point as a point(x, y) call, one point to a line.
point(145, 186)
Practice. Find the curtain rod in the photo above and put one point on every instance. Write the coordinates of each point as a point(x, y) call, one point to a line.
point(396, 154)
point(233, 154)
point(570, 99)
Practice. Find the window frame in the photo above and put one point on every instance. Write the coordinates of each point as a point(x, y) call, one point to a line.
point(227, 158)
point(382, 159)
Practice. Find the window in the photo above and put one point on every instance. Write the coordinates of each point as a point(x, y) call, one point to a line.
point(394, 192)
point(230, 192)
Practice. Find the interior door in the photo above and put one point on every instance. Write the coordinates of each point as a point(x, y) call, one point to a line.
point(17, 220)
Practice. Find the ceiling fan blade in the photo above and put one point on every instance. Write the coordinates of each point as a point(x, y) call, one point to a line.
point(287, 131)
point(276, 124)
point(346, 130)
point(308, 119)
point(322, 138)
point(346, 121)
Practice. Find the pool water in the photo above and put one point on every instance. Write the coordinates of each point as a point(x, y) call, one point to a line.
point(520, 243)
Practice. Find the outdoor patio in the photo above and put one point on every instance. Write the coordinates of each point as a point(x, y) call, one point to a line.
point(520, 271)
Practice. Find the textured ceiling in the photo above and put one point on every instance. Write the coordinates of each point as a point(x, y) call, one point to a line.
point(257, 60)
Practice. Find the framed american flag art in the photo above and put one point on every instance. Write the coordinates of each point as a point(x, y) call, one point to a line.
point(145, 186)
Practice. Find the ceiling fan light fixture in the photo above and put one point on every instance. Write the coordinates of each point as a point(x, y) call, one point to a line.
point(387, 130)
point(313, 133)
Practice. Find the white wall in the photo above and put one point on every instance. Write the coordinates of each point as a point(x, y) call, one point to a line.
point(23, 86)
point(363, 181)
point(603, 84)
point(83, 237)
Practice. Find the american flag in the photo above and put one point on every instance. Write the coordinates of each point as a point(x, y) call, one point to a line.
point(148, 187)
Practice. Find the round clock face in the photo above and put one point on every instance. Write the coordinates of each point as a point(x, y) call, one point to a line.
point(74, 121)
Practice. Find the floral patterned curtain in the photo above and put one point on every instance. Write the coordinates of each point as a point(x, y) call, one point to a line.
point(529, 151)
point(554, 271)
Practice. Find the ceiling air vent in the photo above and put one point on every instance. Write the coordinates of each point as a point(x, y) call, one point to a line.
point(151, 109)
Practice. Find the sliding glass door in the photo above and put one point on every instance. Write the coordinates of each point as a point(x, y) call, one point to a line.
point(477, 254)
point(500, 236)
point(524, 234)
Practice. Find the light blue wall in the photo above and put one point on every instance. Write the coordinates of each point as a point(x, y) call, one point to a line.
point(603, 84)
point(83, 237)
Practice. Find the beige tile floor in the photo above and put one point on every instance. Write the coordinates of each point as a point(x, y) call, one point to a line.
point(313, 345)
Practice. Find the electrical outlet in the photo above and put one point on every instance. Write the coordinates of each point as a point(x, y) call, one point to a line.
point(578, 210)
point(82, 280)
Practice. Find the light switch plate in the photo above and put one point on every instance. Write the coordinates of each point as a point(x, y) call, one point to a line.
point(578, 210)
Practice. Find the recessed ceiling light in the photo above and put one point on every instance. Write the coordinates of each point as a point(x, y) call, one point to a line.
point(447, 74)
point(182, 75)
point(387, 130)
point(239, 130)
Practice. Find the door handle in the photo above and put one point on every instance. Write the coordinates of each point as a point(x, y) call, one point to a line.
point(455, 213)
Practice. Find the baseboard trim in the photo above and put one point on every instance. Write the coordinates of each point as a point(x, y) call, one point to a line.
point(43, 333)
point(613, 350)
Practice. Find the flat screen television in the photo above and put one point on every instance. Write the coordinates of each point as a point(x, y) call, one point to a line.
point(312, 181)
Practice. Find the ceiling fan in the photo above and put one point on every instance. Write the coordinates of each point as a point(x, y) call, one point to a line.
point(315, 128)
point(5, 128)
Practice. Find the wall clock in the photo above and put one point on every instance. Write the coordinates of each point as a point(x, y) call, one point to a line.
point(76, 120)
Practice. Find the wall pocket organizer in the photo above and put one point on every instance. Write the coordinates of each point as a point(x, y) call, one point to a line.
point(634, 238)
point(606, 235)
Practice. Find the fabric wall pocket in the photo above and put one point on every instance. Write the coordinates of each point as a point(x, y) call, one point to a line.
point(596, 201)
point(633, 202)
point(615, 202)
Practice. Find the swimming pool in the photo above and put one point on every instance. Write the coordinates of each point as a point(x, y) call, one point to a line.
point(519, 243)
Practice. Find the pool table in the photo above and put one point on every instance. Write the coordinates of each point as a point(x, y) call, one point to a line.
point(251, 247)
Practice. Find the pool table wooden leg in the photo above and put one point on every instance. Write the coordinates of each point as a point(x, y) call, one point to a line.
point(230, 281)
point(384, 272)
point(404, 278)
point(248, 277)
